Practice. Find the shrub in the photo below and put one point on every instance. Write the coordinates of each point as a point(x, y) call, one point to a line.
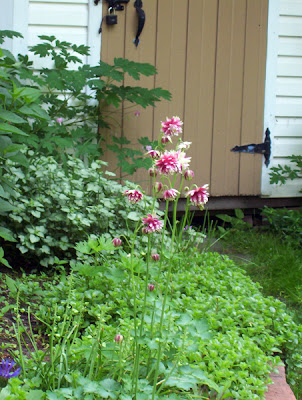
point(56, 207)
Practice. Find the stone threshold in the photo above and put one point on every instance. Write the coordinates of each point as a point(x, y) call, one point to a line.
point(279, 389)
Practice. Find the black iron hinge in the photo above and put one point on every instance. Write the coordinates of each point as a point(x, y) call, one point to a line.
point(261, 148)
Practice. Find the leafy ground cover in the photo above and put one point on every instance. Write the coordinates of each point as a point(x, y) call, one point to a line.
point(220, 332)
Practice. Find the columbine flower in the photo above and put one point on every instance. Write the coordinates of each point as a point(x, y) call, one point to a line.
point(189, 175)
point(158, 187)
point(118, 338)
point(171, 126)
point(134, 196)
point(168, 163)
point(183, 160)
point(148, 148)
point(117, 242)
point(170, 194)
point(155, 256)
point(183, 145)
point(153, 153)
point(137, 113)
point(60, 120)
point(199, 196)
point(151, 287)
point(6, 366)
point(153, 224)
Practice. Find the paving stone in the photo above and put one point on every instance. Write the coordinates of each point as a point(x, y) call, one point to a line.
point(279, 389)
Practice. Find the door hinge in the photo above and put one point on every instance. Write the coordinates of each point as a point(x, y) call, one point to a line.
point(261, 148)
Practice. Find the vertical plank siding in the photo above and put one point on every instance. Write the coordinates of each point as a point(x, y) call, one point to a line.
point(211, 56)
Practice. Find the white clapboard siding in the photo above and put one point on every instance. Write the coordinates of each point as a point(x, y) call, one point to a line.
point(284, 92)
point(74, 21)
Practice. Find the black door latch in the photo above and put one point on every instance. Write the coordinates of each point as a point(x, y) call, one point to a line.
point(113, 6)
point(261, 148)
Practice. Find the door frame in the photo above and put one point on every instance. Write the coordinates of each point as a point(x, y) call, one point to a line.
point(270, 87)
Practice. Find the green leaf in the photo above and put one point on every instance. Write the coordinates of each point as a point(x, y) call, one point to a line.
point(6, 234)
point(11, 129)
point(11, 284)
point(134, 216)
point(239, 213)
point(34, 111)
point(35, 395)
point(11, 117)
point(5, 206)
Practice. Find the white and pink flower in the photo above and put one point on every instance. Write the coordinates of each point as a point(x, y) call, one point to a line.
point(183, 145)
point(183, 160)
point(172, 126)
point(152, 224)
point(134, 196)
point(168, 163)
point(198, 196)
point(170, 194)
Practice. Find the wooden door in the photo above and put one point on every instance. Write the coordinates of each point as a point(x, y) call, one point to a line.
point(210, 54)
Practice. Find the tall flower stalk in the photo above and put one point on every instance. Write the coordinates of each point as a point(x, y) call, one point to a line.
point(167, 166)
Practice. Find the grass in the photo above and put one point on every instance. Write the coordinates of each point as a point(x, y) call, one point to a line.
point(274, 263)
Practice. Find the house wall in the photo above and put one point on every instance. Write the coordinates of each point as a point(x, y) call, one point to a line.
point(211, 56)
point(283, 113)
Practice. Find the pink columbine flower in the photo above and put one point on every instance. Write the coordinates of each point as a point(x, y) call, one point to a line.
point(183, 145)
point(155, 257)
point(134, 196)
point(116, 242)
point(151, 287)
point(170, 194)
point(168, 163)
point(183, 160)
point(153, 224)
point(172, 126)
point(189, 175)
point(137, 113)
point(199, 196)
point(155, 154)
point(60, 120)
point(118, 338)
point(158, 187)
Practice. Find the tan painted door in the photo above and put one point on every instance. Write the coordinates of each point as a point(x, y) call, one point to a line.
point(210, 54)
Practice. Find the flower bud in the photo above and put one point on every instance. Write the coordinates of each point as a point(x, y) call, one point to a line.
point(116, 242)
point(118, 338)
point(145, 230)
point(155, 257)
point(189, 175)
point(151, 287)
point(152, 171)
point(158, 186)
point(165, 140)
